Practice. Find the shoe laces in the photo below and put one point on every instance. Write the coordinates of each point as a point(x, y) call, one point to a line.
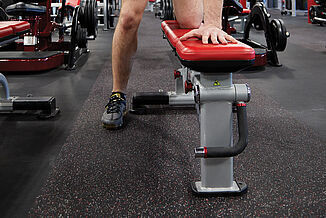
point(114, 104)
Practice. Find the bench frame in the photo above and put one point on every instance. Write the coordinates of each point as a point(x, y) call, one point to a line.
point(216, 98)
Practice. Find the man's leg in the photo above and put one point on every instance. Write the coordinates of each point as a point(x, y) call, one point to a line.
point(124, 46)
point(124, 43)
point(189, 13)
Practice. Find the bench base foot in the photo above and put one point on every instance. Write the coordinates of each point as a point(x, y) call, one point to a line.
point(238, 188)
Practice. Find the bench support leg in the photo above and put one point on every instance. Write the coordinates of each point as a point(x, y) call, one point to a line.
point(216, 121)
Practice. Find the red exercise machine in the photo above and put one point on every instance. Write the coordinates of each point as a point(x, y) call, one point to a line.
point(46, 46)
point(44, 107)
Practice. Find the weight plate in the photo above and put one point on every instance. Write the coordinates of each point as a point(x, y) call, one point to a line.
point(258, 23)
point(93, 17)
point(92, 31)
point(110, 15)
point(90, 18)
point(168, 9)
point(81, 37)
point(171, 17)
point(73, 37)
point(165, 10)
point(319, 11)
point(312, 14)
point(279, 34)
point(74, 26)
point(81, 17)
point(86, 13)
point(92, 28)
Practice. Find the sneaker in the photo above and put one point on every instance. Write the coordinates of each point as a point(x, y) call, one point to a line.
point(115, 111)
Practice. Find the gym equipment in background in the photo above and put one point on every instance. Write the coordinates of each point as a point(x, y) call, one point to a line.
point(56, 7)
point(167, 10)
point(158, 8)
point(42, 48)
point(258, 17)
point(317, 13)
point(294, 7)
point(109, 13)
point(43, 107)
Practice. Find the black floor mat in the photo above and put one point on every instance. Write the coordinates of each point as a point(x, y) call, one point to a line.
point(146, 168)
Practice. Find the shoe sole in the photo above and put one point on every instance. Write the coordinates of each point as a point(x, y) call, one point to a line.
point(113, 126)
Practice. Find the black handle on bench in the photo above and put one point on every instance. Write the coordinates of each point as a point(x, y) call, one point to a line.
point(215, 152)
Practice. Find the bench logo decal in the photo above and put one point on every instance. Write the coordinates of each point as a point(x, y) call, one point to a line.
point(217, 83)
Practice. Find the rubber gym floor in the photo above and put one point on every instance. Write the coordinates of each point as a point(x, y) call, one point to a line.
point(71, 166)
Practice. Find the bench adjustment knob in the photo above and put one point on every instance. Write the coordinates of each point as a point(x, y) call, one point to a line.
point(177, 74)
point(188, 86)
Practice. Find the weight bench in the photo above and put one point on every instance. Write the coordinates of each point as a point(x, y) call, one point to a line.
point(11, 30)
point(46, 106)
point(205, 81)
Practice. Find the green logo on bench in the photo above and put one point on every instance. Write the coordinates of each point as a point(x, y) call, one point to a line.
point(217, 83)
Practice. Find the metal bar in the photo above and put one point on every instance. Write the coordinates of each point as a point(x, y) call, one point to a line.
point(105, 19)
point(5, 87)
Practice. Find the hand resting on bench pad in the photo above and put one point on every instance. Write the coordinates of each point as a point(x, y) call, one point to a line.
point(193, 54)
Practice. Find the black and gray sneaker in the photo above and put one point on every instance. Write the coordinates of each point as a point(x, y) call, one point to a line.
point(115, 111)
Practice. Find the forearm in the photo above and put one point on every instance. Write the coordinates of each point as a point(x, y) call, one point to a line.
point(212, 28)
point(213, 12)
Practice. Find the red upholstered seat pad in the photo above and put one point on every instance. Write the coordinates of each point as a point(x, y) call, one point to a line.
point(172, 31)
point(168, 22)
point(194, 50)
point(5, 30)
point(18, 26)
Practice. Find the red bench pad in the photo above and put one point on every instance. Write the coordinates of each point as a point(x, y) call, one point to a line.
point(172, 31)
point(210, 58)
point(18, 26)
point(5, 32)
point(9, 28)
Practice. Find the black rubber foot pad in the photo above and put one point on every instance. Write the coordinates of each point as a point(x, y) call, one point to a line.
point(243, 188)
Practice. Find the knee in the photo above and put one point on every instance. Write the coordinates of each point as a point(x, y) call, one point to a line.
point(190, 22)
point(129, 21)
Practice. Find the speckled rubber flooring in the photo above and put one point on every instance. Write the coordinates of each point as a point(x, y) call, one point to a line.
point(146, 168)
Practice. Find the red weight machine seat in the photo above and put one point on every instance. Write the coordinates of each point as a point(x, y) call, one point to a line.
point(12, 29)
point(195, 55)
point(24, 60)
point(6, 32)
point(19, 27)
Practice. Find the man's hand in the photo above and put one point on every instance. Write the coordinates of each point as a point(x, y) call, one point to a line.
point(205, 32)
